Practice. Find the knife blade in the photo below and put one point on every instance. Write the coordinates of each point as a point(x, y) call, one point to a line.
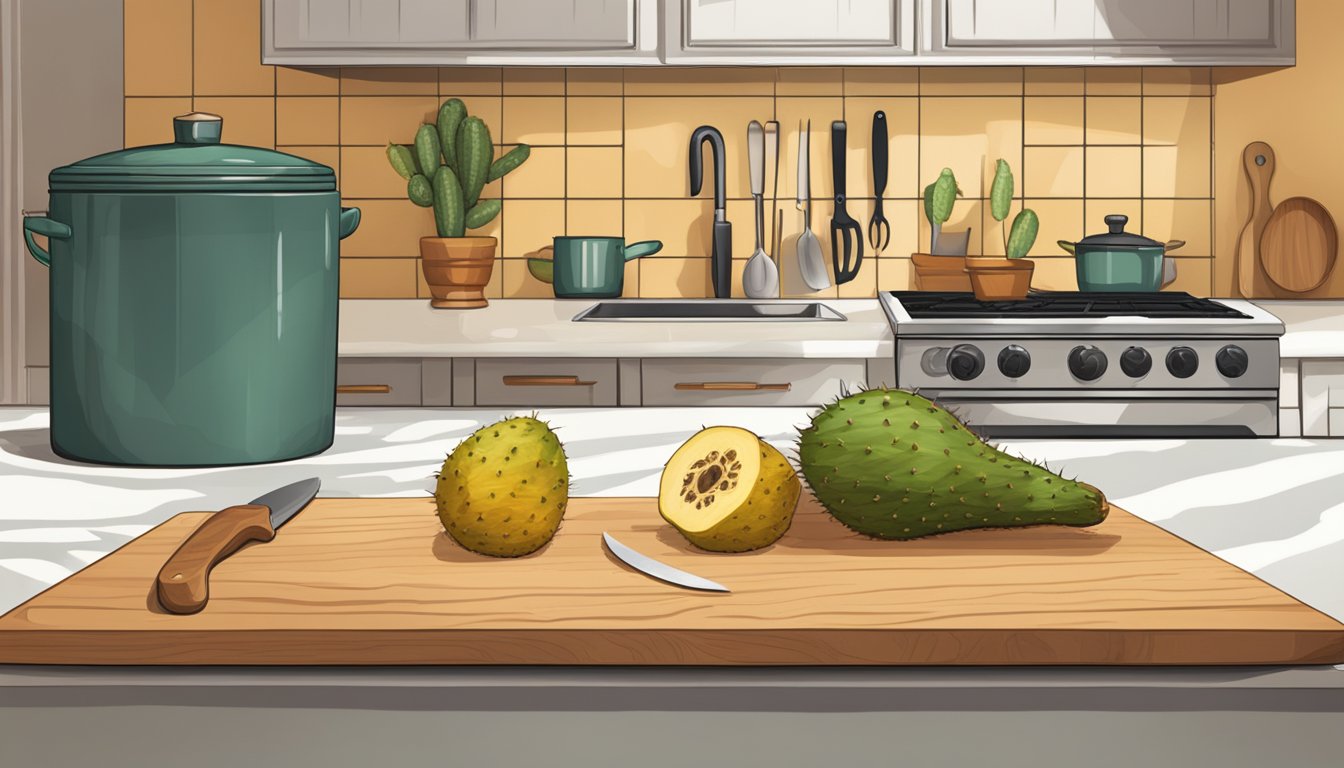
point(183, 584)
point(659, 570)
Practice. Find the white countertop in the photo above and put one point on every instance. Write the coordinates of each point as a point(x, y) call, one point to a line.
point(545, 328)
point(1272, 507)
point(1315, 328)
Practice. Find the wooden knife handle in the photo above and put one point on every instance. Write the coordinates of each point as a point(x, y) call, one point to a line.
point(184, 582)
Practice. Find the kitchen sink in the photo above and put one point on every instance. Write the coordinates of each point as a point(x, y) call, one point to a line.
point(706, 311)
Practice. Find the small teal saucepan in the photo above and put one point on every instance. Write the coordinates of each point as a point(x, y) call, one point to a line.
point(594, 267)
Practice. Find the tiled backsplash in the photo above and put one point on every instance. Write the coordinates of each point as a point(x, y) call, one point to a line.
point(610, 149)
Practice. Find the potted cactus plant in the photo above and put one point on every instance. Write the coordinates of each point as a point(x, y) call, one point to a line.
point(995, 279)
point(943, 268)
point(450, 163)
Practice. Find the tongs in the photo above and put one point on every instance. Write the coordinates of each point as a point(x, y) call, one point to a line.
point(844, 229)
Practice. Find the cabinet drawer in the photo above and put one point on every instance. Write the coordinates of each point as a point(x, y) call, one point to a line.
point(748, 382)
point(377, 381)
point(545, 382)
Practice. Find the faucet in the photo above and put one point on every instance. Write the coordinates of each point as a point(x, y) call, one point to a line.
point(721, 257)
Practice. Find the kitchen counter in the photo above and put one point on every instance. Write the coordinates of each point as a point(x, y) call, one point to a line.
point(1315, 329)
point(544, 328)
point(1271, 507)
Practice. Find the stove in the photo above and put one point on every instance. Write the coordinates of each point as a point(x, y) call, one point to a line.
point(1070, 364)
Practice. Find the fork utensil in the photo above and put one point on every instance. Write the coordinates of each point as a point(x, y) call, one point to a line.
point(845, 231)
point(879, 229)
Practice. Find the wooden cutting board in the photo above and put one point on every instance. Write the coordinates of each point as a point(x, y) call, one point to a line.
point(375, 581)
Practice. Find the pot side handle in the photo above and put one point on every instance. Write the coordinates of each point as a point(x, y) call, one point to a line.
point(349, 222)
point(1069, 248)
point(642, 248)
point(37, 223)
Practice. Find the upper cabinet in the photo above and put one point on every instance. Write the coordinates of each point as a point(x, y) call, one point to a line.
point(778, 32)
point(788, 31)
point(455, 32)
point(1111, 31)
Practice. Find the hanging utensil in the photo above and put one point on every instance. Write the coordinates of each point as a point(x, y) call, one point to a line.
point(879, 229)
point(1297, 248)
point(772, 157)
point(1258, 159)
point(760, 278)
point(721, 257)
point(844, 229)
point(811, 263)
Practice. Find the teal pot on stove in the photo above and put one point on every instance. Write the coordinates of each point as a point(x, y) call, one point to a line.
point(194, 292)
point(1117, 261)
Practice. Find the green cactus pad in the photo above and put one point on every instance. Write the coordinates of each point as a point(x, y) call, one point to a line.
point(893, 465)
point(401, 160)
point(1022, 235)
point(482, 213)
point(511, 160)
point(474, 154)
point(419, 190)
point(449, 213)
point(427, 149)
point(451, 114)
point(1001, 192)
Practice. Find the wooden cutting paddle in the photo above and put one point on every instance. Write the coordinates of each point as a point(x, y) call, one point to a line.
point(1298, 246)
point(1258, 158)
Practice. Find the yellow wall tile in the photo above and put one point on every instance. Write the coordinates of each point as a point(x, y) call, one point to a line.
point(593, 172)
point(1052, 172)
point(531, 224)
point(519, 283)
point(1194, 276)
point(600, 218)
point(389, 81)
point(1170, 172)
point(970, 81)
point(902, 215)
point(248, 120)
point(969, 136)
point(157, 39)
point(376, 120)
point(902, 144)
point(699, 81)
point(1060, 220)
point(307, 120)
point(1054, 273)
point(674, 277)
point(657, 137)
point(894, 275)
point(1114, 120)
point(1053, 81)
point(470, 81)
point(682, 225)
point(535, 120)
point(378, 278)
point(543, 175)
point(1188, 220)
point(1053, 120)
point(1178, 120)
point(821, 111)
point(150, 121)
point(1114, 81)
point(1177, 81)
point(594, 81)
point(1113, 172)
point(388, 228)
point(365, 173)
point(864, 284)
point(810, 81)
point(328, 156)
point(315, 81)
point(630, 279)
point(592, 120)
point(534, 81)
point(228, 51)
point(881, 81)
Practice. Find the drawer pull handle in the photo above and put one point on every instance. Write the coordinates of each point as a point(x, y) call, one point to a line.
point(733, 386)
point(546, 381)
point(363, 389)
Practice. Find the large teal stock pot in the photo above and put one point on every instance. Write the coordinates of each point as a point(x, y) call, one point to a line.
point(194, 291)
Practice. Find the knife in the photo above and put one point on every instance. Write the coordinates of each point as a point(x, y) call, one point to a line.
point(660, 571)
point(183, 586)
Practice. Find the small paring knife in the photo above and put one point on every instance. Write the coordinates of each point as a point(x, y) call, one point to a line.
point(659, 570)
point(183, 585)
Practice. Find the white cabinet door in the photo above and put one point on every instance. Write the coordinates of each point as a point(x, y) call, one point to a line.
point(1173, 31)
point(547, 23)
point(787, 31)
point(336, 24)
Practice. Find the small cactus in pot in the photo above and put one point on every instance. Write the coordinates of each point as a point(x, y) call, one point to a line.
point(1008, 279)
point(446, 168)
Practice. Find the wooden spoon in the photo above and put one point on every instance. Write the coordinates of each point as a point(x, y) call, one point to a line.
point(1298, 246)
point(1258, 158)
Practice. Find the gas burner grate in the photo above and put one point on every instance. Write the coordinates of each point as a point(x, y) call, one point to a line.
point(934, 304)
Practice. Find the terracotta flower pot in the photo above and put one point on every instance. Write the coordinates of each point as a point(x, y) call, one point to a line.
point(996, 279)
point(457, 270)
point(940, 273)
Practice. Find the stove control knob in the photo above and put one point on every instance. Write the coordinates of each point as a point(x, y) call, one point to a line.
point(1014, 361)
point(965, 362)
point(1087, 363)
point(1182, 362)
point(1136, 362)
point(1232, 361)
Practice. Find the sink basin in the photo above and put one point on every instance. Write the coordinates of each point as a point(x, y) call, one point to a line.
point(706, 311)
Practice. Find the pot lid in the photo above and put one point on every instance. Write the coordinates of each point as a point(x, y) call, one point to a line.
point(195, 162)
point(1118, 236)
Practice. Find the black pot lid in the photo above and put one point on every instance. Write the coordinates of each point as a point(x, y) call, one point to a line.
point(196, 161)
point(1118, 236)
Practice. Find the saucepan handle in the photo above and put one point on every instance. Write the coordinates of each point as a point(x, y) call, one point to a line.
point(349, 221)
point(37, 222)
point(1172, 245)
point(642, 248)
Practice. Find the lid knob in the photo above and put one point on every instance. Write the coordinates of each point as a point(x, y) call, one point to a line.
point(197, 128)
point(1116, 222)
